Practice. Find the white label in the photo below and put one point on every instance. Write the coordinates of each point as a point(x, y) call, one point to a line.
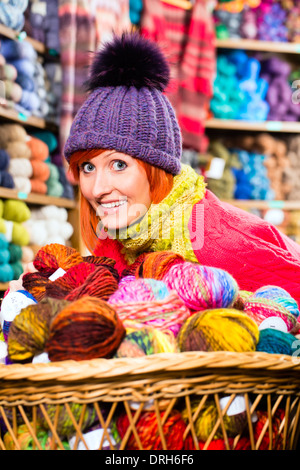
point(9, 225)
point(3, 352)
point(276, 323)
point(237, 406)
point(42, 358)
point(39, 8)
point(216, 168)
point(12, 304)
point(58, 273)
point(92, 440)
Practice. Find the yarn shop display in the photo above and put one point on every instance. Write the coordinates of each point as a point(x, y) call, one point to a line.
point(127, 342)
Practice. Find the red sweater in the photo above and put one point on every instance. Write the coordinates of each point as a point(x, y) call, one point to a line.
point(254, 252)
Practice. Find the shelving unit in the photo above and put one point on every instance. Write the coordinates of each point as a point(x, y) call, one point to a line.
point(260, 46)
point(263, 126)
point(33, 122)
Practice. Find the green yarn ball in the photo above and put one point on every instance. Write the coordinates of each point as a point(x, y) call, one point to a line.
point(16, 211)
point(17, 269)
point(49, 139)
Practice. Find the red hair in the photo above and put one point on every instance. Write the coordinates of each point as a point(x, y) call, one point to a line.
point(160, 183)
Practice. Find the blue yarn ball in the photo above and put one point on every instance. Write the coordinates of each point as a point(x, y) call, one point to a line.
point(276, 342)
point(280, 296)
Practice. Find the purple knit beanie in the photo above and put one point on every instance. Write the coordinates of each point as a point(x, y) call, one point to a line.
point(126, 109)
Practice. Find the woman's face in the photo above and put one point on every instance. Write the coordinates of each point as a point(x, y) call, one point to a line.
point(117, 188)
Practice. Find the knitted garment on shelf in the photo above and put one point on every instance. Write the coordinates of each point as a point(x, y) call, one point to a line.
point(187, 37)
point(165, 225)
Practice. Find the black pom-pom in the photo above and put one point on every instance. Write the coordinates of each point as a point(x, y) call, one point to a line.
point(129, 60)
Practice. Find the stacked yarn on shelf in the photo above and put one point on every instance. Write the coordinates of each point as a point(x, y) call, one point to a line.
point(12, 14)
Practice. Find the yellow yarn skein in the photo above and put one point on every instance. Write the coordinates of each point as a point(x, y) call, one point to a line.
point(218, 330)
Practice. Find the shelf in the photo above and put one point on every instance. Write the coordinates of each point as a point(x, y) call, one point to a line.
point(264, 126)
point(18, 35)
point(30, 121)
point(263, 205)
point(39, 199)
point(257, 45)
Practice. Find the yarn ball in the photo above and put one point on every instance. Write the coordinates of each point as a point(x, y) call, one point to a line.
point(53, 256)
point(142, 340)
point(208, 417)
point(29, 330)
point(87, 328)
point(148, 435)
point(202, 287)
point(17, 211)
point(269, 302)
point(84, 279)
point(150, 302)
point(277, 342)
point(26, 441)
point(154, 265)
point(64, 422)
point(39, 149)
point(35, 283)
point(218, 330)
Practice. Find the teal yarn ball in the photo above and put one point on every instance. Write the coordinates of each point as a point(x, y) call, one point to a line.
point(17, 269)
point(3, 242)
point(6, 273)
point(4, 256)
point(276, 342)
point(15, 252)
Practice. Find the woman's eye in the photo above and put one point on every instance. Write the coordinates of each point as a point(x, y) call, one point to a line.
point(119, 165)
point(87, 167)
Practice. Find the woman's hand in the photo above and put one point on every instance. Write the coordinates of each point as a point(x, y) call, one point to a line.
point(17, 284)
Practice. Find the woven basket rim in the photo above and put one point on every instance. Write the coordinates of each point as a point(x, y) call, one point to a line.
point(199, 362)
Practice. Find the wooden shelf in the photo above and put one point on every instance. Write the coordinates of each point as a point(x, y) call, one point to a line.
point(39, 199)
point(264, 126)
point(30, 121)
point(257, 45)
point(263, 205)
point(18, 35)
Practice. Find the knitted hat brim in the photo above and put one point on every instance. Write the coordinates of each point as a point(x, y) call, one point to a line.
point(132, 147)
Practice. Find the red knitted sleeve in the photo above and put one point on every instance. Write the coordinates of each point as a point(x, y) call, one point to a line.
point(111, 249)
point(254, 252)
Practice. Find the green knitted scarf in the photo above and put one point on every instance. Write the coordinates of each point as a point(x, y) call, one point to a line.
point(165, 225)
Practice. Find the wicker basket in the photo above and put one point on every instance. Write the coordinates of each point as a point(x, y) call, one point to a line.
point(157, 382)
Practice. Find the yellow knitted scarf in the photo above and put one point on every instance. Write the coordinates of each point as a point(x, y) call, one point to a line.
point(165, 225)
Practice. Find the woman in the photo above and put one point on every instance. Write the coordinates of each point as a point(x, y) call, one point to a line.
point(124, 149)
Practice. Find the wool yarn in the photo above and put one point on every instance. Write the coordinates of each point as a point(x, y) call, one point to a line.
point(142, 340)
point(38, 149)
point(150, 302)
point(272, 305)
point(154, 265)
point(274, 341)
point(26, 441)
point(87, 328)
point(202, 287)
point(15, 232)
point(234, 423)
point(64, 423)
point(16, 210)
point(29, 331)
point(148, 432)
point(53, 256)
point(218, 330)
point(84, 279)
point(35, 283)
point(18, 149)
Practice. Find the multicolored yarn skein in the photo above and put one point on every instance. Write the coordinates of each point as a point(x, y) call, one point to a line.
point(150, 302)
point(202, 287)
point(218, 330)
point(63, 272)
point(87, 328)
point(148, 436)
point(26, 441)
point(208, 417)
point(29, 330)
point(154, 265)
point(272, 306)
point(142, 340)
point(64, 423)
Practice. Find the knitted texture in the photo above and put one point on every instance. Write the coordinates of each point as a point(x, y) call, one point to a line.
point(121, 115)
point(164, 227)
